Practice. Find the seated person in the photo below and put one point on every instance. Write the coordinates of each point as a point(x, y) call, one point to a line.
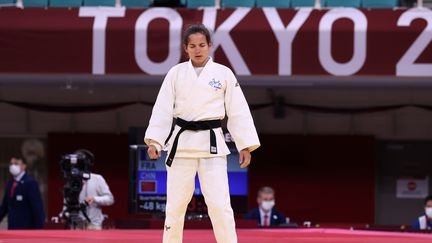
point(424, 222)
point(266, 214)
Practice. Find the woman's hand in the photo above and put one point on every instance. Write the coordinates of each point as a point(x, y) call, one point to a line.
point(245, 158)
point(153, 153)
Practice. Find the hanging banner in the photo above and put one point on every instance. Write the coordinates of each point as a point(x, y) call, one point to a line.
point(258, 41)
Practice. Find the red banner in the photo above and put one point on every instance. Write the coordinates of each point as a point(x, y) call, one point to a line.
point(267, 41)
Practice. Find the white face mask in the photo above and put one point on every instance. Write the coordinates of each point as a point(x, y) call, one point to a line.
point(14, 170)
point(428, 212)
point(267, 205)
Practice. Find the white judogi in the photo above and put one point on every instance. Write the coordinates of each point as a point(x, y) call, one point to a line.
point(191, 97)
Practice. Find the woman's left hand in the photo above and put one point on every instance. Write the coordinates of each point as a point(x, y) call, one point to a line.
point(245, 158)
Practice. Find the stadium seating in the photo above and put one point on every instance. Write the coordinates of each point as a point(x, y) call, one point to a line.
point(7, 2)
point(302, 3)
point(237, 3)
point(427, 3)
point(99, 2)
point(343, 3)
point(380, 3)
point(199, 3)
point(65, 3)
point(35, 3)
point(211, 3)
point(135, 3)
point(273, 3)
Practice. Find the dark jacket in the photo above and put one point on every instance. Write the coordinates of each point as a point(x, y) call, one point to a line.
point(25, 208)
point(422, 223)
point(276, 217)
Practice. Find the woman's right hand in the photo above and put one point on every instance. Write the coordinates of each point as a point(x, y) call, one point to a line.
point(153, 153)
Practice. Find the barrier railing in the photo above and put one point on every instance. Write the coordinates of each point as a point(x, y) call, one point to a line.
point(420, 3)
point(317, 4)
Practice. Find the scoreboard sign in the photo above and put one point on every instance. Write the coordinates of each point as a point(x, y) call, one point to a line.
point(151, 183)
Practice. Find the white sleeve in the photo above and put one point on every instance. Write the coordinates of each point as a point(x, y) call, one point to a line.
point(104, 196)
point(156, 144)
point(162, 115)
point(240, 123)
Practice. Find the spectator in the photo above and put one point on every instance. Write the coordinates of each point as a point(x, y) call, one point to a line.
point(22, 201)
point(266, 214)
point(424, 222)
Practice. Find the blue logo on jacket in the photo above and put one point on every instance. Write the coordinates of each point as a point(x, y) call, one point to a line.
point(215, 84)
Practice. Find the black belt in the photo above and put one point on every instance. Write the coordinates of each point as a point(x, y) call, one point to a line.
point(193, 126)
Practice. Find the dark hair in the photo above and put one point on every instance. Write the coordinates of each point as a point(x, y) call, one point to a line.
point(19, 157)
point(193, 29)
point(427, 199)
point(86, 153)
point(265, 190)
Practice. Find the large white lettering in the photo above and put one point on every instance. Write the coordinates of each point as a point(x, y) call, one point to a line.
point(406, 65)
point(101, 15)
point(221, 36)
point(141, 43)
point(325, 45)
point(285, 35)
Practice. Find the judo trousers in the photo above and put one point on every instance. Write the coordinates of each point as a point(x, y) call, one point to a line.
point(213, 176)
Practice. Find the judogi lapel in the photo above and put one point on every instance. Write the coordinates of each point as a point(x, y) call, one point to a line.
point(209, 96)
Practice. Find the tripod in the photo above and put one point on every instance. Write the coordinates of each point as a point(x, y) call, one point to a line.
point(74, 220)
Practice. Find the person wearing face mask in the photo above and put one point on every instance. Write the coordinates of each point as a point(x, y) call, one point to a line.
point(22, 201)
point(266, 214)
point(424, 222)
